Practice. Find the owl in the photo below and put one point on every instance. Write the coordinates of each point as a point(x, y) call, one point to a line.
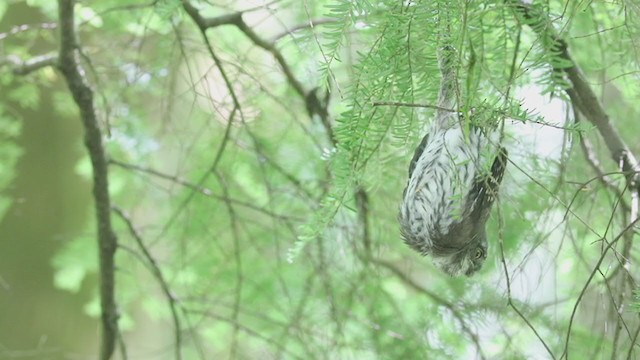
point(454, 177)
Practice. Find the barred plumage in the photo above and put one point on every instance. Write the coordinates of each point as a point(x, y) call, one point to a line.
point(450, 191)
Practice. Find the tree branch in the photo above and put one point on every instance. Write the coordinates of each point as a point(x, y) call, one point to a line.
point(157, 273)
point(565, 352)
point(107, 241)
point(26, 27)
point(580, 92)
point(435, 298)
point(314, 103)
point(510, 301)
point(24, 67)
point(308, 25)
point(203, 190)
point(396, 103)
point(594, 163)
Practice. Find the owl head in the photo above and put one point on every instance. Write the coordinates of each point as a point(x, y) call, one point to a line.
point(459, 257)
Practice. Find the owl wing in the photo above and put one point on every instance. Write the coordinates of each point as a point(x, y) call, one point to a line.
point(485, 187)
point(417, 153)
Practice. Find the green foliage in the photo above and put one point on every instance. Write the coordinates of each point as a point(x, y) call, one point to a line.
point(344, 14)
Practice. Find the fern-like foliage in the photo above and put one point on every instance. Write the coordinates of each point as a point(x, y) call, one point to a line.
point(399, 66)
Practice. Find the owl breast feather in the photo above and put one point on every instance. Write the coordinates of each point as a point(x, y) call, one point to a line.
point(436, 194)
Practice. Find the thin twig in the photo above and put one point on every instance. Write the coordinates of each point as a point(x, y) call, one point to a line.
point(362, 202)
point(315, 105)
point(565, 353)
point(435, 297)
point(203, 190)
point(249, 331)
point(508, 279)
point(398, 103)
point(580, 91)
point(633, 343)
point(162, 175)
point(157, 273)
point(202, 24)
point(594, 163)
point(307, 25)
point(238, 268)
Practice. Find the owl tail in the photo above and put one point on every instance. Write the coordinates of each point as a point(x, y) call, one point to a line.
point(446, 62)
point(447, 95)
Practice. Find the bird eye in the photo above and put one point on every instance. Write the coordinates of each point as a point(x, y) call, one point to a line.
point(479, 253)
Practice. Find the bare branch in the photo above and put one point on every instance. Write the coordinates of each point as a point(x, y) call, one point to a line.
point(434, 297)
point(237, 20)
point(26, 27)
point(24, 67)
point(594, 163)
point(362, 202)
point(162, 175)
point(202, 190)
point(314, 103)
point(396, 103)
point(508, 281)
point(308, 25)
point(107, 241)
point(596, 268)
point(157, 273)
point(580, 92)
point(247, 330)
point(233, 223)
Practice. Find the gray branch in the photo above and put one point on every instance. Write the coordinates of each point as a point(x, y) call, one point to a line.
point(315, 103)
point(580, 92)
point(157, 273)
point(24, 67)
